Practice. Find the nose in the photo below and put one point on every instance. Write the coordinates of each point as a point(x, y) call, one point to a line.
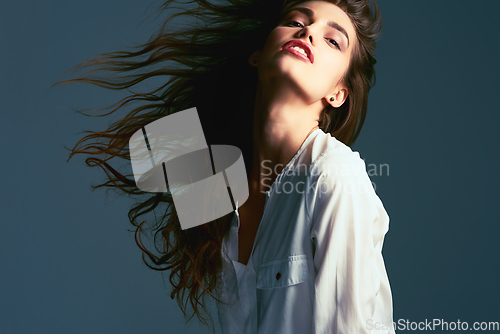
point(306, 32)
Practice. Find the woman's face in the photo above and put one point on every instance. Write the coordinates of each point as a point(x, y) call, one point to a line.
point(327, 36)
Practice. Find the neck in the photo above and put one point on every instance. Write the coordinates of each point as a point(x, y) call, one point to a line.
point(282, 122)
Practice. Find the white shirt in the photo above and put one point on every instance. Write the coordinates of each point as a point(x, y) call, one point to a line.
point(316, 264)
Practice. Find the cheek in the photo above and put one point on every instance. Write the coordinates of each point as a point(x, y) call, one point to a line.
point(328, 72)
point(271, 43)
point(335, 67)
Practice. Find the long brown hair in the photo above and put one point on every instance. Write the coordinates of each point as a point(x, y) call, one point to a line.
point(206, 67)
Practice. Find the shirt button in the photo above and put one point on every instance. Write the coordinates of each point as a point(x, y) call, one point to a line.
point(278, 276)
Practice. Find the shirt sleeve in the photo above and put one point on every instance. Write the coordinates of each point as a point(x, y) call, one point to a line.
point(348, 227)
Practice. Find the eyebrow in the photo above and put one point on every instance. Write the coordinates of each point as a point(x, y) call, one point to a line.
point(330, 23)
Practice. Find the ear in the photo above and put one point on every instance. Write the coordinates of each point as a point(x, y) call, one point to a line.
point(254, 58)
point(338, 98)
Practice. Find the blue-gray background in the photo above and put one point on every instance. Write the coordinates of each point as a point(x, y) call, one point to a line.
point(68, 263)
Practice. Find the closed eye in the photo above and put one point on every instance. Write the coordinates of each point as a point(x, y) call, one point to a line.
point(334, 43)
point(292, 23)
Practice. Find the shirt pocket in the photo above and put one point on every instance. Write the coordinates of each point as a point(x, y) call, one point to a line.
point(283, 272)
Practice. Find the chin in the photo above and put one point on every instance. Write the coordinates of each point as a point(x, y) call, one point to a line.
point(283, 70)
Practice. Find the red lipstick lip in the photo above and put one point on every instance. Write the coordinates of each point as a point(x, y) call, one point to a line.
point(302, 45)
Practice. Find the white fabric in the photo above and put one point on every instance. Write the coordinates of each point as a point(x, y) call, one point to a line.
point(316, 265)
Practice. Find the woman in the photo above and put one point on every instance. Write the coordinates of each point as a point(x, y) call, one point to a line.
point(303, 253)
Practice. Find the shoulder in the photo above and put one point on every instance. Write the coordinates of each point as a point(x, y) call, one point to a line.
point(341, 185)
point(332, 160)
point(338, 174)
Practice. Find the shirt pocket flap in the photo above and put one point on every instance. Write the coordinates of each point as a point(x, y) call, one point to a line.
point(283, 272)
